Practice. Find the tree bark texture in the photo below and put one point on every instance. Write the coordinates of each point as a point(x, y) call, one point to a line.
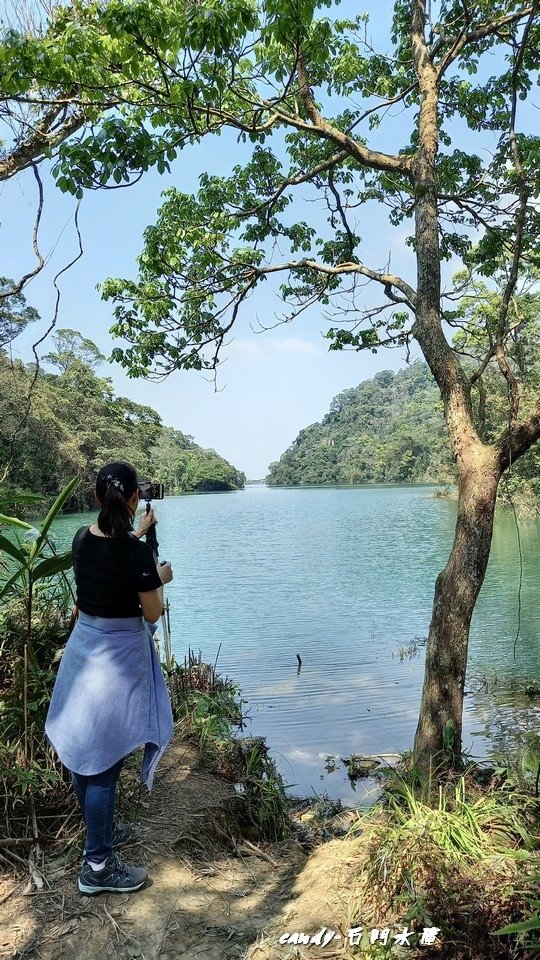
point(458, 585)
point(438, 735)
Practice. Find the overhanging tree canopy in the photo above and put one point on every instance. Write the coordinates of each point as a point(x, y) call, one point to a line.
point(315, 106)
point(314, 100)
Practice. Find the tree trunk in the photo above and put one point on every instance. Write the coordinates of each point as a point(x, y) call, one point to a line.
point(438, 735)
point(479, 468)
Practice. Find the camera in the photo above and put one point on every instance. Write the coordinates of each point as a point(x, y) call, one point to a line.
point(151, 490)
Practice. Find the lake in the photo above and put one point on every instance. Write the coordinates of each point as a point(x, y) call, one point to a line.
point(343, 577)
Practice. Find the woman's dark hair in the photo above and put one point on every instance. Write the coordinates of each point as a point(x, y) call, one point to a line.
point(115, 484)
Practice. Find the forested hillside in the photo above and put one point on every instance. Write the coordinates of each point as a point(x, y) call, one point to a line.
point(386, 430)
point(69, 423)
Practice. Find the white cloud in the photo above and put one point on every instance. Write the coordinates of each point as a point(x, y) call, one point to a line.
point(247, 348)
point(261, 345)
point(294, 345)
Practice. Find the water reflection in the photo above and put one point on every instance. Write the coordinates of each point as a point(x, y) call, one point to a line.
point(343, 578)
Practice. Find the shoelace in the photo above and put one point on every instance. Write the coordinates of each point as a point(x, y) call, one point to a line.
point(119, 867)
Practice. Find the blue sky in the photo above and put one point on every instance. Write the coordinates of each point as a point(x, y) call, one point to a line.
point(272, 383)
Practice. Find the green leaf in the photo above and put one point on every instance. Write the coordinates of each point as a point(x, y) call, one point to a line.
point(52, 565)
point(61, 499)
point(532, 924)
point(449, 734)
point(8, 547)
point(14, 522)
point(5, 589)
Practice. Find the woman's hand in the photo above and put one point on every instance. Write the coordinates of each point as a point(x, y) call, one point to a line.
point(165, 572)
point(146, 521)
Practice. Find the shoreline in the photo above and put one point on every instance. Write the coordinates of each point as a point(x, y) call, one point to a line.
point(217, 894)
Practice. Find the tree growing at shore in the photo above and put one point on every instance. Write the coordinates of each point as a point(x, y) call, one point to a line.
point(311, 103)
point(309, 96)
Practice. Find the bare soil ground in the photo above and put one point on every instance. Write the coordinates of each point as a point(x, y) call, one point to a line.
point(214, 895)
point(211, 896)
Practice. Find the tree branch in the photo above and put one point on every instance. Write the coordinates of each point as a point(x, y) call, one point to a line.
point(35, 243)
point(341, 211)
point(387, 280)
point(517, 440)
point(322, 128)
point(482, 31)
point(42, 139)
point(492, 352)
point(321, 167)
point(508, 293)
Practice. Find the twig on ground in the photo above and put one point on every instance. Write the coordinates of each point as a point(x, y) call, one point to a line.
point(6, 896)
point(186, 838)
point(248, 846)
point(116, 926)
point(15, 842)
point(15, 857)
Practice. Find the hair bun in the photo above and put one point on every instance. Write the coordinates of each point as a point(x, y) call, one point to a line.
point(114, 482)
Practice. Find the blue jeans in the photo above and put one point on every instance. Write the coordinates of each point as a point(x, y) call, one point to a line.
point(96, 796)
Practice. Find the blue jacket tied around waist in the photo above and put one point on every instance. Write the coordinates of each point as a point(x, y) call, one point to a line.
point(109, 697)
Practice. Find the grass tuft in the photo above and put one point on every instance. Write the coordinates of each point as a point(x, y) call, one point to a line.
point(210, 709)
point(460, 857)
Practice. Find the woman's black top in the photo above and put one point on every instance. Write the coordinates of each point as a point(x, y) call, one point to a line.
point(110, 572)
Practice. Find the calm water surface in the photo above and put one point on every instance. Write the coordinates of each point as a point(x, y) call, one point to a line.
point(343, 577)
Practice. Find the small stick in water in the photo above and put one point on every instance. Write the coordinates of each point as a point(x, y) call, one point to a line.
point(299, 658)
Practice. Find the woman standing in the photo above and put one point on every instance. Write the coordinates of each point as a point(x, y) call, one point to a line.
point(110, 696)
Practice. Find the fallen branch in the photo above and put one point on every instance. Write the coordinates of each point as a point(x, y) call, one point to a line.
point(248, 847)
point(12, 842)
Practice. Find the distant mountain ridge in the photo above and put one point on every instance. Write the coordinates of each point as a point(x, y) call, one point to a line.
point(57, 426)
point(389, 429)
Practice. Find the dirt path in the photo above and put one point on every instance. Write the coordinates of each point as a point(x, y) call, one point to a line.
point(205, 900)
